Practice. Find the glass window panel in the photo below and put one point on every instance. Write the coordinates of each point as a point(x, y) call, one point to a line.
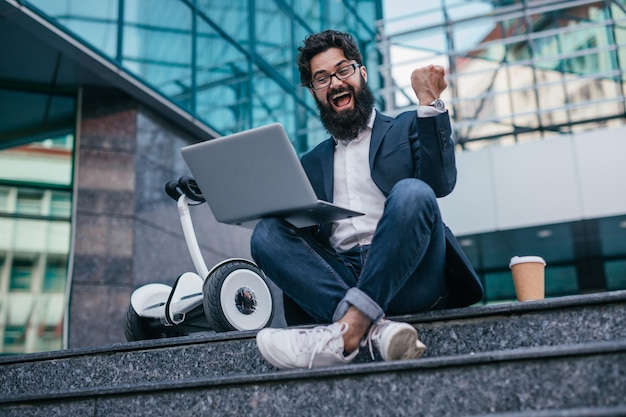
point(158, 14)
point(167, 70)
point(20, 308)
point(467, 35)
point(352, 19)
point(613, 236)
point(615, 275)
point(364, 12)
point(309, 11)
point(62, 109)
point(14, 120)
point(157, 46)
point(273, 38)
point(49, 338)
point(53, 165)
point(224, 81)
point(29, 201)
point(95, 22)
point(21, 276)
point(553, 242)
point(105, 9)
point(560, 281)
point(418, 13)
point(4, 199)
point(14, 337)
point(65, 142)
point(102, 35)
point(50, 308)
point(60, 204)
point(271, 103)
point(499, 287)
point(232, 16)
point(55, 275)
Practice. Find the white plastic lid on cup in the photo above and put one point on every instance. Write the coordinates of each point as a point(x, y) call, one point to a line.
point(523, 259)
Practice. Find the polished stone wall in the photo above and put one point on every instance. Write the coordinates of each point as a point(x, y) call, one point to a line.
point(127, 230)
point(102, 266)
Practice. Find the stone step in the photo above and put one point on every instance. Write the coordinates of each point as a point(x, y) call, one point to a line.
point(566, 321)
point(555, 321)
point(547, 378)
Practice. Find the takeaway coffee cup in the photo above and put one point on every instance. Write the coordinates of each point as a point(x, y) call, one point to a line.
point(528, 277)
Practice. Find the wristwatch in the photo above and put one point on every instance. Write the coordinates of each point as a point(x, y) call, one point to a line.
point(439, 105)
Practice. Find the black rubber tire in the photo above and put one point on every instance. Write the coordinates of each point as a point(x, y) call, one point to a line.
point(212, 293)
point(140, 328)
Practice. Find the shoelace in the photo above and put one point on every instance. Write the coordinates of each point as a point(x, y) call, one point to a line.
point(373, 335)
point(320, 337)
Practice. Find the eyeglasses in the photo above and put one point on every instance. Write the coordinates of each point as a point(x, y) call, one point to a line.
point(323, 81)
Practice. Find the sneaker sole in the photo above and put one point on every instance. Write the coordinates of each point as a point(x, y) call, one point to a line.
point(404, 345)
point(260, 342)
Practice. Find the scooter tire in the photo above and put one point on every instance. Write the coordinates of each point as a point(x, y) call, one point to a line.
point(236, 296)
point(138, 328)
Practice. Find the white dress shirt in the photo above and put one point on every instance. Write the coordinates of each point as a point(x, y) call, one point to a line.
point(354, 188)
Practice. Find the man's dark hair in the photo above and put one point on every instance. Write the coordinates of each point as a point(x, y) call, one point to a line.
point(320, 42)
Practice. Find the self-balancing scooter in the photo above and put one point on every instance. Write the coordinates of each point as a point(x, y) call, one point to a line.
point(233, 295)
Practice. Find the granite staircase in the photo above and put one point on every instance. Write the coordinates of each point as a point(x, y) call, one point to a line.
point(551, 358)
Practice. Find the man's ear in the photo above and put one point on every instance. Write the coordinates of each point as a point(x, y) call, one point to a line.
point(312, 92)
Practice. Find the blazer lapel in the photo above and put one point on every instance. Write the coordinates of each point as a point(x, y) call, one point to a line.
point(382, 124)
point(327, 169)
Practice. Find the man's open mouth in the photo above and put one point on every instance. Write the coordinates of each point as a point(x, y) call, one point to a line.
point(341, 99)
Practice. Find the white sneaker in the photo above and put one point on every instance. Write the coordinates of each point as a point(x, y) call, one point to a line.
point(304, 348)
point(394, 340)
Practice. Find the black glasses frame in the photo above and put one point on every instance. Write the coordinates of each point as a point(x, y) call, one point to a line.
point(340, 74)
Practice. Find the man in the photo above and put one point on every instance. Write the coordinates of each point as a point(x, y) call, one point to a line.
point(398, 258)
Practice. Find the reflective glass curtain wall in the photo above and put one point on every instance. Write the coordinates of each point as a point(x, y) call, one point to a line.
point(517, 70)
point(229, 63)
point(35, 228)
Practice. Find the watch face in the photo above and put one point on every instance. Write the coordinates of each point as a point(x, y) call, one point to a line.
point(439, 105)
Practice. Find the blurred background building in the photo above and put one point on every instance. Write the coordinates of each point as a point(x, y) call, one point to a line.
point(97, 98)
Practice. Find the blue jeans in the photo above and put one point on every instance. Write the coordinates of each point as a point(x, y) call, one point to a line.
point(401, 272)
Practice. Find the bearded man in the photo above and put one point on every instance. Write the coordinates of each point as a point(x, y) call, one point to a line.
point(399, 258)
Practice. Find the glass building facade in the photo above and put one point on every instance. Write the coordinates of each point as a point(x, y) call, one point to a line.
point(230, 63)
point(518, 72)
point(35, 221)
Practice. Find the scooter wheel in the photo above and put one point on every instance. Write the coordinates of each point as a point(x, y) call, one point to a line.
point(236, 297)
point(141, 328)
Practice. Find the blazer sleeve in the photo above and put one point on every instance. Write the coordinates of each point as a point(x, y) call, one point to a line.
point(432, 148)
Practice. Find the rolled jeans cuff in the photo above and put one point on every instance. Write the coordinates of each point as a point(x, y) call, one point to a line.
point(360, 300)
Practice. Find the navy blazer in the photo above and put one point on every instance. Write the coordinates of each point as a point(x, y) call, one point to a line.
point(405, 147)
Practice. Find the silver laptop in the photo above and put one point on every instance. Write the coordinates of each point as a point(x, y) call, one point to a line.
point(255, 174)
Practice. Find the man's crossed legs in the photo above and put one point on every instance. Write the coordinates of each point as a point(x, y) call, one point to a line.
point(401, 272)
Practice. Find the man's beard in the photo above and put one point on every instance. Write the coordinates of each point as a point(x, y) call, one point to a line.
point(347, 124)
